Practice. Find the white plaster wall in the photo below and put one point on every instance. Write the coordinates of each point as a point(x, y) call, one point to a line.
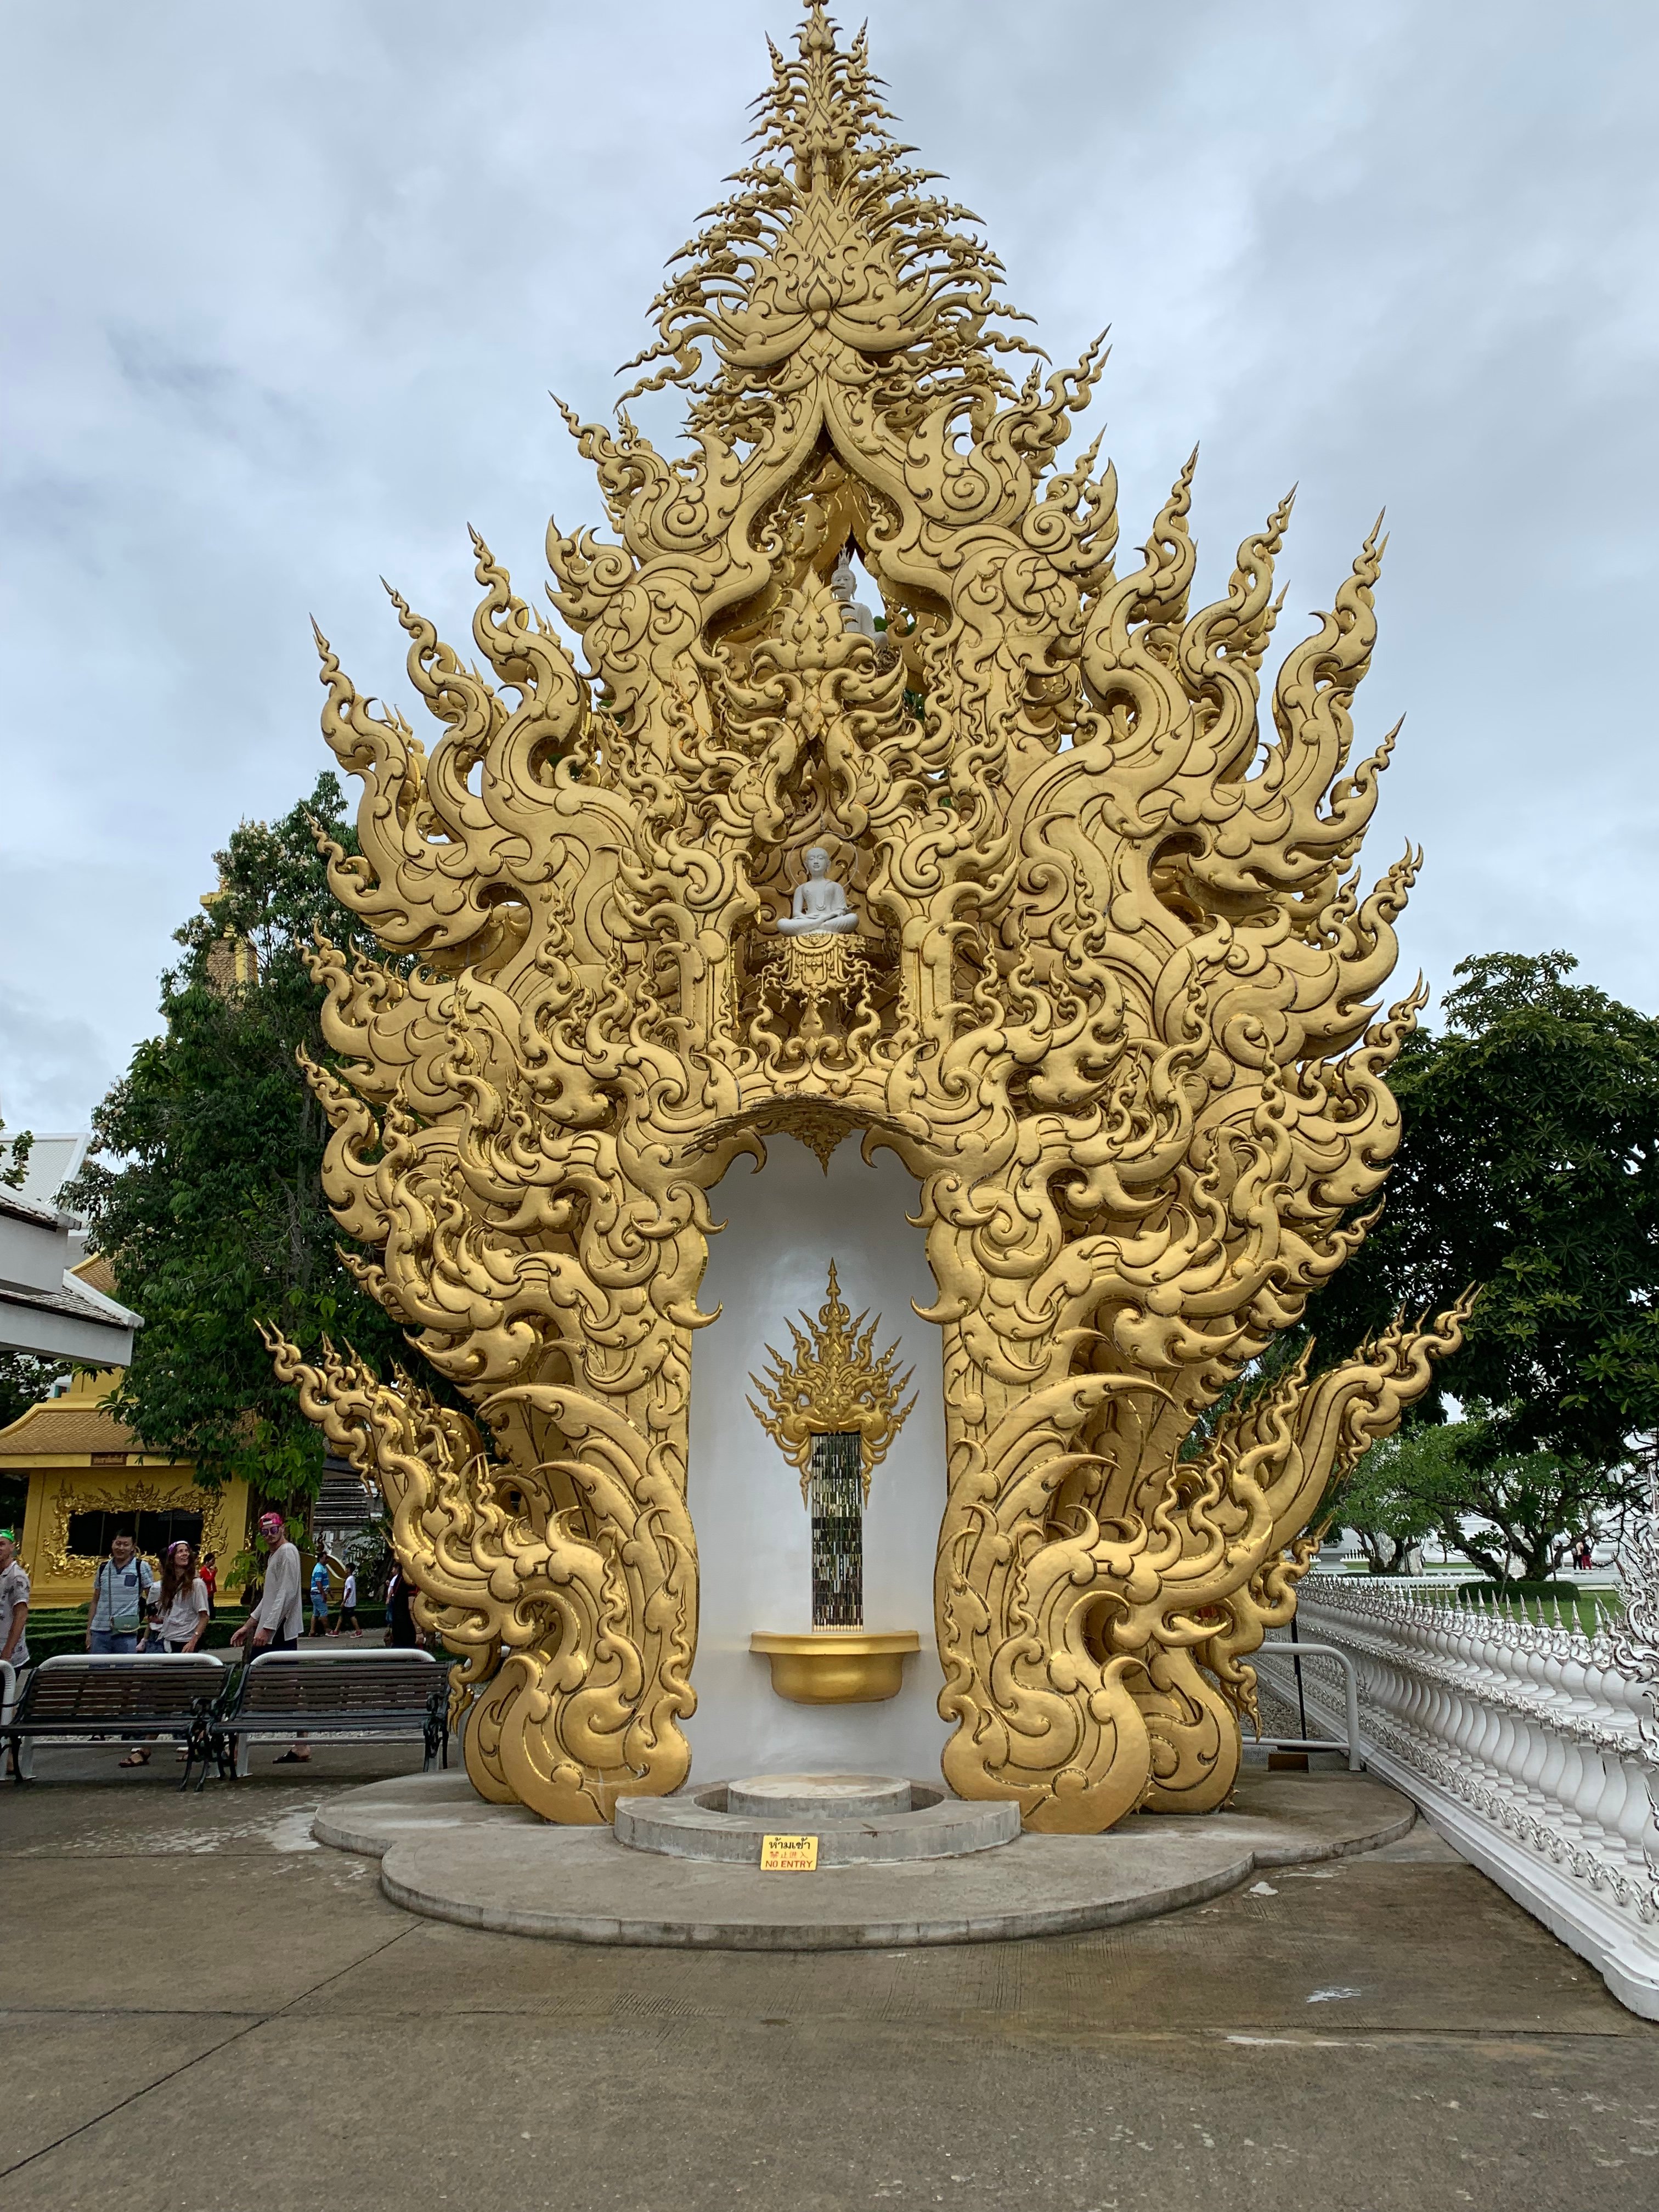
point(783, 1226)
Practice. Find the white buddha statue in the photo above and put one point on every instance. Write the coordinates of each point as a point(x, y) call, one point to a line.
point(819, 908)
point(854, 615)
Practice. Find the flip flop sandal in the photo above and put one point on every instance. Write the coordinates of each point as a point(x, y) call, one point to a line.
point(292, 1758)
point(135, 1759)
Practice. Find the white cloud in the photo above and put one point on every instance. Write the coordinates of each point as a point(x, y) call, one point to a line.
point(286, 289)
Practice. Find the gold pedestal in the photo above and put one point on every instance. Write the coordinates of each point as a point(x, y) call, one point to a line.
point(837, 1666)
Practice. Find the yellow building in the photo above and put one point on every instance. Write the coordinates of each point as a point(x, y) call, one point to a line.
point(87, 1479)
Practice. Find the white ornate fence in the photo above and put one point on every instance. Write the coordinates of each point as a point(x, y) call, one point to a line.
point(1532, 1746)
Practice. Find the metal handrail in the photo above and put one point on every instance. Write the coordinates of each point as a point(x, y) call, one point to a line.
point(1295, 1653)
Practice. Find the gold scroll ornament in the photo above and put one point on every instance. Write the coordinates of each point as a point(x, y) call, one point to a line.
point(1119, 1017)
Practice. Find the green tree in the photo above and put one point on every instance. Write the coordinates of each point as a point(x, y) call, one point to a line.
point(1529, 1164)
point(204, 1189)
point(15, 1173)
point(1498, 1509)
point(25, 1379)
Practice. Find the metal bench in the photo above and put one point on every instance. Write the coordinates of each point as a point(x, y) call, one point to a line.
point(76, 1696)
point(377, 1696)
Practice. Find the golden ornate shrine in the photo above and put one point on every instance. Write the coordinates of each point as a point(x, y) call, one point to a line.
point(1113, 1011)
point(836, 1381)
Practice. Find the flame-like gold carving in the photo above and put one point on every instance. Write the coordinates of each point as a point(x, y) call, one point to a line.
point(1114, 1012)
point(836, 1382)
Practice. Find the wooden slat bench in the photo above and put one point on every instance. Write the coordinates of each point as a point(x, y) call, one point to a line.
point(76, 1696)
point(378, 1696)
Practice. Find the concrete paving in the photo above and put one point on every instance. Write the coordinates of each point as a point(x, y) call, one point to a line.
point(487, 1867)
point(201, 2010)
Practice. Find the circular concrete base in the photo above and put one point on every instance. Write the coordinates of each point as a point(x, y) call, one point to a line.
point(705, 1824)
point(817, 1797)
point(451, 1857)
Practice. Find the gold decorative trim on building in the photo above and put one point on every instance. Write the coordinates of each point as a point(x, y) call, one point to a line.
point(134, 1497)
point(835, 1384)
point(818, 970)
point(1123, 1029)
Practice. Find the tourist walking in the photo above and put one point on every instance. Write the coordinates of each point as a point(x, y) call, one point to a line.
point(208, 1571)
point(14, 1604)
point(319, 1598)
point(400, 1621)
point(348, 1604)
point(274, 1624)
point(120, 1600)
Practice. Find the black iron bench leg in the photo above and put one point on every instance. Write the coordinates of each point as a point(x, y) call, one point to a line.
point(196, 1746)
point(213, 1754)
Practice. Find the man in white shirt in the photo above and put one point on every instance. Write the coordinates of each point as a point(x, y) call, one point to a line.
point(14, 1604)
point(348, 1605)
point(275, 1623)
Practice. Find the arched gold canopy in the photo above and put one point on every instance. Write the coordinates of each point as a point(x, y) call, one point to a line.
point(1111, 1000)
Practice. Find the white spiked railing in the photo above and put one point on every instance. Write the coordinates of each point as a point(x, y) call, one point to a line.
point(1531, 1744)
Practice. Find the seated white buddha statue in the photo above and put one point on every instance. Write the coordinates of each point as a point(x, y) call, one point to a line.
point(854, 615)
point(819, 907)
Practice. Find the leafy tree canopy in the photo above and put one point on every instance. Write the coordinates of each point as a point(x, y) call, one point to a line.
point(1530, 1164)
point(14, 1152)
point(1443, 1480)
point(25, 1379)
point(203, 1190)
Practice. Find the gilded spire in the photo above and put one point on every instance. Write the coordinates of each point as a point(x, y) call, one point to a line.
point(832, 258)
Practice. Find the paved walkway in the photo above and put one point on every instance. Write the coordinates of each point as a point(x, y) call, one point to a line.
point(201, 2011)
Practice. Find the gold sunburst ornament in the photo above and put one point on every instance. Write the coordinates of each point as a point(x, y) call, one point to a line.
point(1118, 1010)
point(836, 1384)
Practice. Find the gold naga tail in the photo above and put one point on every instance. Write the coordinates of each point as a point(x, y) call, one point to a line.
point(1109, 997)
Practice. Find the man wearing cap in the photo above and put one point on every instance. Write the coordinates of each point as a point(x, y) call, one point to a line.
point(275, 1622)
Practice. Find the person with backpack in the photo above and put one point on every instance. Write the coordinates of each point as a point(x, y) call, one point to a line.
point(120, 1599)
point(120, 1614)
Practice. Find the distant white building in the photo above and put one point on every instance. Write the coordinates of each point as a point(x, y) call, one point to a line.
point(45, 1307)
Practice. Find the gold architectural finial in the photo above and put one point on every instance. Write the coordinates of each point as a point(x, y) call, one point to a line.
point(232, 960)
point(836, 1384)
point(1110, 994)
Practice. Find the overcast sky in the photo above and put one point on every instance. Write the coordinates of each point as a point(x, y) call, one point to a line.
point(284, 288)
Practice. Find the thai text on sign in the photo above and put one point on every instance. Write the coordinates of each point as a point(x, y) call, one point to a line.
point(789, 1854)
